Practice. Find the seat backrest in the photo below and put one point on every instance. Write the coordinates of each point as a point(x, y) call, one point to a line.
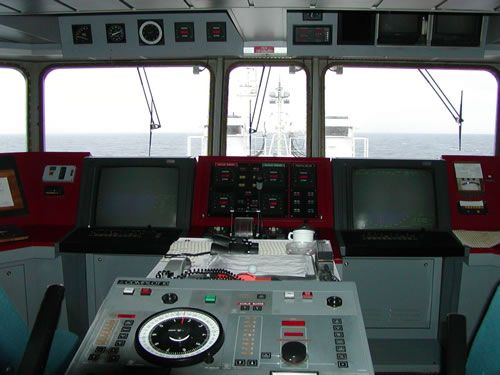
point(484, 354)
point(13, 334)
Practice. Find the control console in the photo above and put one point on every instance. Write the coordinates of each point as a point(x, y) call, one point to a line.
point(229, 327)
point(279, 194)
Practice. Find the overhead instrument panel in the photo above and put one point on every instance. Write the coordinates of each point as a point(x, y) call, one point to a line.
point(279, 193)
point(165, 35)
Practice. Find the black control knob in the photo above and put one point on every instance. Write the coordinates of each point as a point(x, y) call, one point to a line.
point(293, 352)
point(169, 298)
point(334, 301)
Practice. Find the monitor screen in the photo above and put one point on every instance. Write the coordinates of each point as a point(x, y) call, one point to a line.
point(456, 30)
point(393, 198)
point(11, 193)
point(400, 28)
point(135, 196)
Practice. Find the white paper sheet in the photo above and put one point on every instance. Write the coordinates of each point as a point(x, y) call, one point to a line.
point(5, 194)
point(468, 170)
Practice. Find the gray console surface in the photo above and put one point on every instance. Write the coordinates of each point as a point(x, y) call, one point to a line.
point(226, 327)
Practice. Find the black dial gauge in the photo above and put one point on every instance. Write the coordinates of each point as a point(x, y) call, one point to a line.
point(179, 337)
point(115, 33)
point(151, 32)
point(82, 34)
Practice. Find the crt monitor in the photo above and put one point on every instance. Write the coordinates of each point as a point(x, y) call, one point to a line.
point(137, 192)
point(456, 30)
point(12, 201)
point(393, 198)
point(390, 194)
point(400, 28)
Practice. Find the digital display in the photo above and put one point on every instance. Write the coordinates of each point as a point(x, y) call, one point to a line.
point(275, 189)
point(393, 198)
point(312, 34)
point(137, 197)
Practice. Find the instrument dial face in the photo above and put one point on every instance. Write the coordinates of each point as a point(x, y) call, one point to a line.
point(115, 33)
point(179, 337)
point(82, 34)
point(151, 32)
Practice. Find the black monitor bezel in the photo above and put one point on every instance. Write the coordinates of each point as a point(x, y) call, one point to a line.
point(406, 38)
point(440, 39)
point(342, 182)
point(92, 168)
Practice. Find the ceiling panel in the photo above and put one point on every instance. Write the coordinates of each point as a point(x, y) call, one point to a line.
point(261, 25)
point(157, 4)
point(36, 6)
point(481, 5)
point(346, 4)
point(409, 5)
point(219, 4)
point(96, 5)
point(285, 4)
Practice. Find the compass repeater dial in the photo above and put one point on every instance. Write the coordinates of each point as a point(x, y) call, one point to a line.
point(179, 337)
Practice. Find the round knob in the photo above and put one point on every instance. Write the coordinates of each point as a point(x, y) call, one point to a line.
point(334, 301)
point(293, 352)
point(169, 298)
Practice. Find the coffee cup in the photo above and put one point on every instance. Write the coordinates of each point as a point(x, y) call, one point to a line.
point(301, 235)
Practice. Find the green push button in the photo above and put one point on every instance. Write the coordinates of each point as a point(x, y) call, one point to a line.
point(210, 298)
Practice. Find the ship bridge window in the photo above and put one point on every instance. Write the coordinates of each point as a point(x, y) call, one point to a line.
point(127, 111)
point(267, 111)
point(396, 113)
point(13, 113)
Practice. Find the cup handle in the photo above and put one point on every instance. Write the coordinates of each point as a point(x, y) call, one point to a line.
point(290, 236)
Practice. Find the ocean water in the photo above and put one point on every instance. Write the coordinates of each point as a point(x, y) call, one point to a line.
point(385, 146)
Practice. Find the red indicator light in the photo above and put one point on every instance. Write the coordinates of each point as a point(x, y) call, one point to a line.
point(125, 316)
point(293, 323)
point(145, 291)
point(293, 334)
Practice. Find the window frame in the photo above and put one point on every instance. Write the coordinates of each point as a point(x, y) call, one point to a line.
point(402, 65)
point(129, 64)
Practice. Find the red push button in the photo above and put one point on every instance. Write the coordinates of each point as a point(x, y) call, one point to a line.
point(307, 295)
point(145, 291)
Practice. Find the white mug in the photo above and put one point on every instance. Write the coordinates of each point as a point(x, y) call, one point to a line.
point(301, 235)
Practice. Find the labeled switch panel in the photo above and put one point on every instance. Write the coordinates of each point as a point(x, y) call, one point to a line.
point(274, 189)
point(59, 173)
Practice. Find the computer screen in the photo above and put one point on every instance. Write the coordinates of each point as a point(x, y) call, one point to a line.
point(12, 200)
point(136, 192)
point(393, 198)
point(137, 197)
point(400, 28)
point(456, 30)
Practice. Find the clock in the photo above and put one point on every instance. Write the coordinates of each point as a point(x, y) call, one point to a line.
point(82, 34)
point(150, 32)
point(115, 33)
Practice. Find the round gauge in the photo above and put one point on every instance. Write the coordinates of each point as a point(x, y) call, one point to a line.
point(82, 34)
point(150, 32)
point(179, 337)
point(115, 33)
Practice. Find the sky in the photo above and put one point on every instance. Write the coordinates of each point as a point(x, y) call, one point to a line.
point(376, 100)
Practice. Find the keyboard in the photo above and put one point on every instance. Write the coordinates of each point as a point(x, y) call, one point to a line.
point(401, 243)
point(119, 240)
point(126, 233)
point(10, 233)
